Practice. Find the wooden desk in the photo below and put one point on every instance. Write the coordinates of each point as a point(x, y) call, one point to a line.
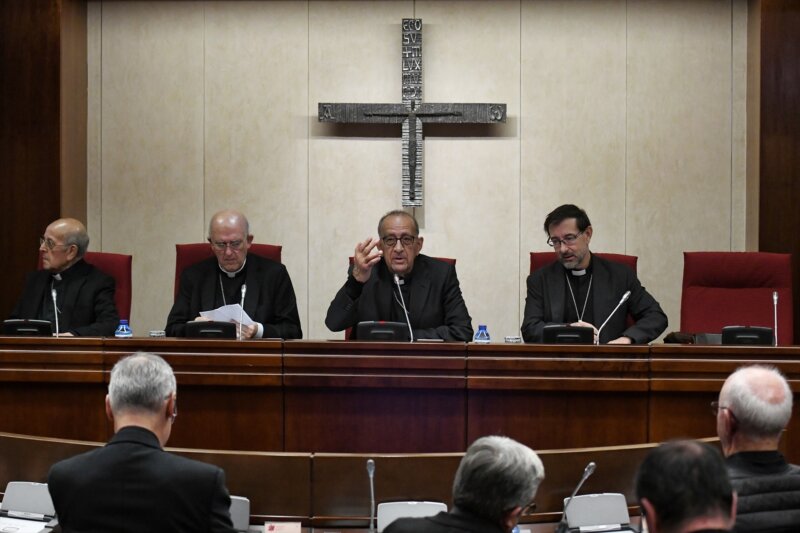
point(359, 397)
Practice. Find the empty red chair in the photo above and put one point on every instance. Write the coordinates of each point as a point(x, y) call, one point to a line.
point(189, 254)
point(735, 289)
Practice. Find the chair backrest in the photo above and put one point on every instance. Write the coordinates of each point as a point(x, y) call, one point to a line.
point(240, 513)
point(349, 331)
point(119, 267)
point(735, 288)
point(189, 254)
point(542, 259)
point(390, 511)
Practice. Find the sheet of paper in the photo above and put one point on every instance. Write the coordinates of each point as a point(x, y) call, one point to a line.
point(228, 313)
point(17, 525)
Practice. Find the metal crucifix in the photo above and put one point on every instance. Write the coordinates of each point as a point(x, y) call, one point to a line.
point(412, 113)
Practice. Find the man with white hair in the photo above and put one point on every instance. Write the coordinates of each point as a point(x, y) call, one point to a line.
point(754, 407)
point(494, 486)
point(131, 484)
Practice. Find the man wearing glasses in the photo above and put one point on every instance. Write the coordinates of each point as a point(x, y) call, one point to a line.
point(430, 290)
point(582, 289)
point(81, 295)
point(269, 296)
point(754, 408)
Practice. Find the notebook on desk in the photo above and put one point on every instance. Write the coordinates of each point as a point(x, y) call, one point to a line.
point(27, 508)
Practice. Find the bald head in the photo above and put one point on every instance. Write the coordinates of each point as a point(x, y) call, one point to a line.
point(229, 235)
point(760, 400)
point(64, 242)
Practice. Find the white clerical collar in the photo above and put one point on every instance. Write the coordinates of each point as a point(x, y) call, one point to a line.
point(578, 272)
point(233, 274)
point(57, 276)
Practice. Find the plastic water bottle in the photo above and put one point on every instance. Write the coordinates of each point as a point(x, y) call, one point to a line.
point(123, 330)
point(482, 335)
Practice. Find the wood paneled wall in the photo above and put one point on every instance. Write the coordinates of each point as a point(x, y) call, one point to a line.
point(779, 218)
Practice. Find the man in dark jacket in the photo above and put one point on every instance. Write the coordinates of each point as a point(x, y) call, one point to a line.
point(131, 484)
point(494, 486)
point(754, 407)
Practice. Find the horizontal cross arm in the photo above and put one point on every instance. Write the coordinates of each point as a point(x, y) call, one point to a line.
point(363, 113)
point(462, 113)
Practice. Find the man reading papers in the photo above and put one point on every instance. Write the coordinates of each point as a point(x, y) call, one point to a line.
point(218, 281)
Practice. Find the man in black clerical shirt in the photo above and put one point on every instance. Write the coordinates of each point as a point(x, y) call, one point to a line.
point(84, 296)
point(754, 407)
point(582, 289)
point(269, 296)
point(682, 487)
point(430, 288)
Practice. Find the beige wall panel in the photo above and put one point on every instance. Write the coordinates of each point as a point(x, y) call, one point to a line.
point(256, 130)
point(354, 56)
point(573, 120)
point(739, 118)
point(94, 183)
point(471, 208)
point(152, 143)
point(679, 139)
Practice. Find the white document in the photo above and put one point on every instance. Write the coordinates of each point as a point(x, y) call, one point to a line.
point(228, 313)
point(282, 527)
point(17, 525)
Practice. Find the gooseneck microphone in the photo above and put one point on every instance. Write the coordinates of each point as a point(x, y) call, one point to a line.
point(241, 310)
point(403, 303)
point(563, 526)
point(775, 316)
point(621, 301)
point(371, 474)
point(55, 308)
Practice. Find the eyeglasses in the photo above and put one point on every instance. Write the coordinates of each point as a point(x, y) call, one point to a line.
point(50, 244)
point(405, 240)
point(715, 407)
point(567, 240)
point(221, 245)
point(529, 509)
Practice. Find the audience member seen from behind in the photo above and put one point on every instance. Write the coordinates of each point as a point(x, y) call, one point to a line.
point(84, 296)
point(683, 487)
point(494, 487)
point(131, 484)
point(754, 407)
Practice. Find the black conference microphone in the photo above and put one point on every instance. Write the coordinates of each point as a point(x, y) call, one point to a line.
point(403, 303)
point(241, 311)
point(775, 316)
point(55, 308)
point(371, 474)
point(563, 527)
point(621, 301)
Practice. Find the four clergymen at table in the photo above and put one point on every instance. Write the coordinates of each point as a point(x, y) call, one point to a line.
point(578, 289)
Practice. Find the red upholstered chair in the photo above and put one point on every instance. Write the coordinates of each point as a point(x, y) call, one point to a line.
point(118, 266)
point(349, 331)
point(542, 259)
point(189, 254)
point(735, 289)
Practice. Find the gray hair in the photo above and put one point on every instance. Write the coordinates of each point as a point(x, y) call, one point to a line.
point(749, 401)
point(140, 382)
point(496, 475)
point(80, 238)
point(399, 213)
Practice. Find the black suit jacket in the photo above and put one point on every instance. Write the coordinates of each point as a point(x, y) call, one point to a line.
point(436, 310)
point(132, 485)
point(546, 300)
point(453, 522)
point(87, 308)
point(269, 300)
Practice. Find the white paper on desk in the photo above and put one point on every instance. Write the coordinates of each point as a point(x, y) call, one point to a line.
point(282, 527)
point(228, 313)
point(17, 525)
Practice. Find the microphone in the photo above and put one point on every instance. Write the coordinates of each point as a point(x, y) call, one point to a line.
point(775, 316)
point(621, 301)
point(55, 308)
point(403, 303)
point(241, 310)
point(371, 474)
point(563, 527)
